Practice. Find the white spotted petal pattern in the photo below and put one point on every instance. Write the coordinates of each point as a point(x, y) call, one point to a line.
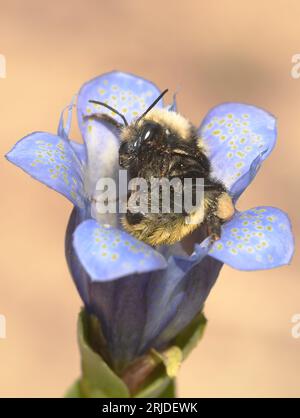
point(51, 160)
point(108, 253)
point(238, 138)
point(257, 239)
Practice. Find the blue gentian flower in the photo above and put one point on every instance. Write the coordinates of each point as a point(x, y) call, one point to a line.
point(143, 297)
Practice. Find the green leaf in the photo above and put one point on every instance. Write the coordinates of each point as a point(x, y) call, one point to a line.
point(98, 380)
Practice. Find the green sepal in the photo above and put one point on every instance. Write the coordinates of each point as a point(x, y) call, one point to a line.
point(170, 391)
point(98, 380)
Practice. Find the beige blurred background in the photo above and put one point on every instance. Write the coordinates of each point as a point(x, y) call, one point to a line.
point(212, 51)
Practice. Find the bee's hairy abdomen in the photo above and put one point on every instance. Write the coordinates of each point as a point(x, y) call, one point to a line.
point(156, 232)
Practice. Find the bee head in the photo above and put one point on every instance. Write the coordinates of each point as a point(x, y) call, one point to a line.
point(160, 130)
point(155, 130)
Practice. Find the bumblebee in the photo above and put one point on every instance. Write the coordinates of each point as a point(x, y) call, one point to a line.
point(163, 144)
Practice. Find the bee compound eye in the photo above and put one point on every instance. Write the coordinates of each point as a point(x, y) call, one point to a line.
point(123, 148)
point(147, 134)
point(149, 131)
point(136, 144)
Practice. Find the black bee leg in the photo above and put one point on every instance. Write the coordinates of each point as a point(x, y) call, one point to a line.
point(214, 228)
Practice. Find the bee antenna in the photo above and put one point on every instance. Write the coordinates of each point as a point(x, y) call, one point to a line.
point(152, 105)
point(110, 108)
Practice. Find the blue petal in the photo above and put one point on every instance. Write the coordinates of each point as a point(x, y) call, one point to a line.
point(173, 106)
point(185, 263)
point(79, 275)
point(51, 160)
point(238, 138)
point(64, 128)
point(80, 151)
point(108, 253)
point(120, 305)
point(177, 295)
point(259, 238)
point(164, 295)
point(127, 93)
point(194, 287)
point(143, 310)
point(101, 144)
